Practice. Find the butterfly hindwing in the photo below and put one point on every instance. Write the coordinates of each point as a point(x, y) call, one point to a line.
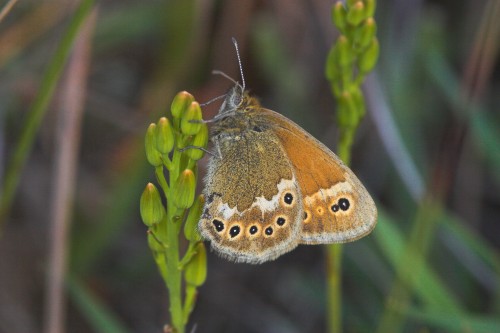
point(253, 203)
point(337, 207)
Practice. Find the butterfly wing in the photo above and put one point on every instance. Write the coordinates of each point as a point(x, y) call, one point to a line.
point(337, 207)
point(253, 208)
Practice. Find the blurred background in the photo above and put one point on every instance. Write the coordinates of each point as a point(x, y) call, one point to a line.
point(428, 151)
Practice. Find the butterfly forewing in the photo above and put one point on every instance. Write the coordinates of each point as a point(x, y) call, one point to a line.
point(337, 207)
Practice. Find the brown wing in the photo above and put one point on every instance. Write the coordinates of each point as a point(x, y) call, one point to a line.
point(337, 207)
point(253, 206)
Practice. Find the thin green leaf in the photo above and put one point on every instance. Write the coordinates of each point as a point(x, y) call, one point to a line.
point(453, 322)
point(39, 108)
point(484, 129)
point(426, 284)
point(99, 316)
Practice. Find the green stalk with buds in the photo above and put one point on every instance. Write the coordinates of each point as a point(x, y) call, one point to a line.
point(176, 173)
point(351, 58)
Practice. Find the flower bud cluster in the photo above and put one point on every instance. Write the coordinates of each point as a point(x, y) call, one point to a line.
point(173, 146)
point(354, 54)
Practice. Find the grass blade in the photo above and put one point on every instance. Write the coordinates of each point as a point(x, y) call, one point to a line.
point(39, 108)
point(100, 318)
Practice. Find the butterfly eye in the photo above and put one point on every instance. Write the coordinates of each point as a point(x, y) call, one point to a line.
point(280, 221)
point(257, 129)
point(335, 208)
point(253, 230)
point(344, 204)
point(219, 226)
point(288, 198)
point(234, 231)
point(269, 231)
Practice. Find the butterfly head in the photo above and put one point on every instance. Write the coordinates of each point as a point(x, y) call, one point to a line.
point(232, 101)
point(237, 101)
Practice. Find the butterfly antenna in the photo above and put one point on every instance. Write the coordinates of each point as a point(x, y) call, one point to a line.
point(239, 62)
point(212, 100)
point(221, 73)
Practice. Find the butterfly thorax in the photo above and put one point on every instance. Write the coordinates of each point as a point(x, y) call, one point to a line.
point(236, 115)
point(237, 100)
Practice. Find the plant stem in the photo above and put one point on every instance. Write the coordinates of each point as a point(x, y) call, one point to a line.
point(177, 177)
point(349, 60)
point(333, 275)
point(174, 273)
point(334, 251)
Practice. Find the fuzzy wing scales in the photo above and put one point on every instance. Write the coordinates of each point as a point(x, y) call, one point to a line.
point(253, 208)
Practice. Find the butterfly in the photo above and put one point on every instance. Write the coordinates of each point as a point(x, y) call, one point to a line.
point(271, 186)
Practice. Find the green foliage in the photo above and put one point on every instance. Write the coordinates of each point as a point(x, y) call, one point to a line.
point(152, 210)
point(39, 108)
point(100, 318)
point(352, 56)
point(165, 223)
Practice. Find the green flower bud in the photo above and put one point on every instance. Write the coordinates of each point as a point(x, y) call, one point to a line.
point(191, 226)
point(356, 13)
point(339, 15)
point(368, 59)
point(154, 243)
point(343, 51)
point(370, 7)
point(351, 3)
point(191, 120)
point(195, 272)
point(347, 115)
point(164, 136)
point(359, 103)
point(331, 70)
point(185, 187)
point(180, 103)
point(152, 154)
point(189, 300)
point(366, 32)
point(152, 210)
point(199, 140)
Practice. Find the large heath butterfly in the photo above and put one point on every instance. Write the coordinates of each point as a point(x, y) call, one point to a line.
point(271, 186)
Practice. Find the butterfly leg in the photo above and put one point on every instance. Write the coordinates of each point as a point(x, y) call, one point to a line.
point(200, 148)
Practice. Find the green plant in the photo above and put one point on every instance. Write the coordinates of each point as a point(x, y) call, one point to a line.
point(165, 145)
point(353, 55)
point(39, 108)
